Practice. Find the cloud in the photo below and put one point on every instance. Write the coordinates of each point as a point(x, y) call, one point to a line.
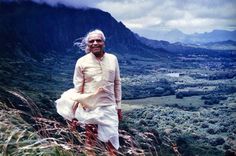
point(126, 9)
point(70, 3)
point(188, 16)
point(148, 21)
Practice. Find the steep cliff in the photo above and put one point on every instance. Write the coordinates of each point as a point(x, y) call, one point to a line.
point(35, 30)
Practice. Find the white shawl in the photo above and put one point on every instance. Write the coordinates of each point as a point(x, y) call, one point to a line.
point(105, 117)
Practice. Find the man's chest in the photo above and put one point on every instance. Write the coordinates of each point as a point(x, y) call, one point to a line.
point(99, 70)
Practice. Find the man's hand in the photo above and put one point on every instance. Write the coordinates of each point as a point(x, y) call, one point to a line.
point(119, 112)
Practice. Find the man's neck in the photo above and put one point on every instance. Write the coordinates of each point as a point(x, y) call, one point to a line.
point(100, 55)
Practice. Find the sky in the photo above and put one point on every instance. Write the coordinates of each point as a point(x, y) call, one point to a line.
point(147, 17)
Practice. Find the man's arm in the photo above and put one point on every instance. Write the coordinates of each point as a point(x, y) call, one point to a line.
point(117, 89)
point(117, 86)
point(78, 78)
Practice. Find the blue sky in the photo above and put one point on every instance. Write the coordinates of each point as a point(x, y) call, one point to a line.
point(150, 16)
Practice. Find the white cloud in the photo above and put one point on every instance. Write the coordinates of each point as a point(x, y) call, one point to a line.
point(128, 9)
point(70, 3)
point(143, 22)
point(188, 16)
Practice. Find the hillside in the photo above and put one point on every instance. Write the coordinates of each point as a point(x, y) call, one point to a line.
point(37, 30)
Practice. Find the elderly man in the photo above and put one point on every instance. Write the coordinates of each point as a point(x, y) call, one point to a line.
point(99, 69)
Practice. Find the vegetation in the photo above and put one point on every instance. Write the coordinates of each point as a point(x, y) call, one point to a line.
point(30, 124)
point(25, 132)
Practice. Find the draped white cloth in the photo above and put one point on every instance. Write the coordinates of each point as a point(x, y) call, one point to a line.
point(104, 116)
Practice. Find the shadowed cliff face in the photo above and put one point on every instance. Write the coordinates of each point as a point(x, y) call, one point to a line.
point(34, 30)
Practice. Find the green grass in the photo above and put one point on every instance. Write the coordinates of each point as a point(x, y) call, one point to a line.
point(193, 101)
point(44, 136)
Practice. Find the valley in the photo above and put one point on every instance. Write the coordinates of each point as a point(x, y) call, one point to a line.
point(192, 101)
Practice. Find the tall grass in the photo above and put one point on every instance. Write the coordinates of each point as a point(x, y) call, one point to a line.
point(38, 136)
point(29, 133)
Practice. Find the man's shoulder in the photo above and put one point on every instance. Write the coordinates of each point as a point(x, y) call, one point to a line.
point(83, 58)
point(111, 55)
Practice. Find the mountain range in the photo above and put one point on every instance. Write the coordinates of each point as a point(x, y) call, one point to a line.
point(188, 48)
point(32, 30)
point(176, 35)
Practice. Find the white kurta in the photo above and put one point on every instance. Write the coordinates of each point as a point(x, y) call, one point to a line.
point(91, 73)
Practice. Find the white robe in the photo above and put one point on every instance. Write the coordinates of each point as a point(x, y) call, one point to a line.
point(104, 116)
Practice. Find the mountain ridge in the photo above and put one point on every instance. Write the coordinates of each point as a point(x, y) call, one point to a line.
point(176, 35)
point(39, 31)
point(35, 30)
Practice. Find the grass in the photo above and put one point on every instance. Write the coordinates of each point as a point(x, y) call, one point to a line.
point(49, 137)
point(193, 101)
point(20, 138)
point(41, 136)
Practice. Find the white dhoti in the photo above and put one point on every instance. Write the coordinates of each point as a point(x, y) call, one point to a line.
point(105, 117)
point(107, 120)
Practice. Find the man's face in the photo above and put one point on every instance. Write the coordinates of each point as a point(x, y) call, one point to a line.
point(96, 44)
